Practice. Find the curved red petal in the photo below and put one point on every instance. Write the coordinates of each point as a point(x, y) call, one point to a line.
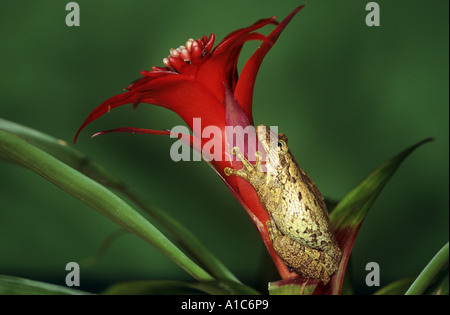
point(222, 66)
point(105, 107)
point(246, 82)
point(134, 130)
point(176, 92)
point(194, 142)
point(188, 99)
point(224, 57)
point(209, 43)
point(236, 35)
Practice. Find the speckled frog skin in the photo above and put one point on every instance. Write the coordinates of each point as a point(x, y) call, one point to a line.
point(299, 224)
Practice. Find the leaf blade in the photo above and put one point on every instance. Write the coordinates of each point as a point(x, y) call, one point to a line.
point(353, 208)
point(350, 212)
point(62, 151)
point(96, 196)
point(10, 285)
point(431, 270)
point(395, 288)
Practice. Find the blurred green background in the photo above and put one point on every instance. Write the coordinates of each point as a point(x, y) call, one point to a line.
point(347, 95)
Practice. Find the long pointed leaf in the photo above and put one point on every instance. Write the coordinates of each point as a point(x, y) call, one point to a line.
point(72, 157)
point(428, 274)
point(61, 150)
point(10, 285)
point(353, 208)
point(347, 217)
point(96, 196)
point(396, 288)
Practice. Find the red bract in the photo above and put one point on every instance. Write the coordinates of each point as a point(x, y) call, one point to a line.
point(201, 82)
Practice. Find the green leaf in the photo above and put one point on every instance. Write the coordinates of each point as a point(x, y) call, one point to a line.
point(178, 287)
point(395, 288)
point(353, 208)
point(96, 196)
point(62, 151)
point(441, 287)
point(350, 212)
point(10, 285)
point(428, 275)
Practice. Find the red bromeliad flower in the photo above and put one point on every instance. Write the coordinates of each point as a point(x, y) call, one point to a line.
point(199, 81)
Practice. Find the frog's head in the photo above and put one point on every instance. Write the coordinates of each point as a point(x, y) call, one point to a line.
point(275, 146)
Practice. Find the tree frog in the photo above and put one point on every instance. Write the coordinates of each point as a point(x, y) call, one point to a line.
point(299, 222)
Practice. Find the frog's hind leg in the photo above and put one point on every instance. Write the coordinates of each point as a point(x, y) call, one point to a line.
point(273, 230)
point(308, 262)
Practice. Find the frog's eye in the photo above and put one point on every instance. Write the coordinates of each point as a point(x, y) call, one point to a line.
point(282, 146)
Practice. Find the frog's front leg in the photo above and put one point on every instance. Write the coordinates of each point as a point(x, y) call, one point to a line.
point(306, 261)
point(252, 173)
point(266, 186)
